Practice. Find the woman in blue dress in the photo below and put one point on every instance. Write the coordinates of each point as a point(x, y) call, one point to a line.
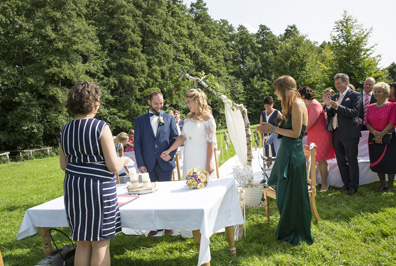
point(88, 157)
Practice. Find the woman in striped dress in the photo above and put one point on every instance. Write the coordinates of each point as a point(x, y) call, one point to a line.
point(88, 157)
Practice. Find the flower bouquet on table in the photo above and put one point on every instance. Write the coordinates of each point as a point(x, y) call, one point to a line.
point(197, 178)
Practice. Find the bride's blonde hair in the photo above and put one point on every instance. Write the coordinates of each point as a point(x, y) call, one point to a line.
point(203, 106)
point(286, 88)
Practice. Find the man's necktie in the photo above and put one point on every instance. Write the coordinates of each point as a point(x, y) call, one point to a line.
point(335, 119)
point(366, 104)
point(156, 114)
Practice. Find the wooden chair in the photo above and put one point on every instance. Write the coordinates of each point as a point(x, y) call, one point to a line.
point(310, 154)
point(178, 166)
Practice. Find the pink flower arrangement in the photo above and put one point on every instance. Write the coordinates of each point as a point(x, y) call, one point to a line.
point(197, 178)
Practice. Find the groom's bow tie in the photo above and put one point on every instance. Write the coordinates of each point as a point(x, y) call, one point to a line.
point(151, 114)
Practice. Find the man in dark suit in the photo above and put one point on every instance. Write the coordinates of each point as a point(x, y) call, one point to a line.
point(179, 122)
point(343, 111)
point(155, 132)
point(367, 99)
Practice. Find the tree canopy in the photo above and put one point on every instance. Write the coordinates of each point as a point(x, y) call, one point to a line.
point(130, 48)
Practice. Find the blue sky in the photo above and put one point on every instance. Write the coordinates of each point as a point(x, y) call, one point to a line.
point(315, 19)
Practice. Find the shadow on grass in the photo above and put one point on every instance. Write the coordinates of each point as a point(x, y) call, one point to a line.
point(335, 205)
point(166, 250)
point(11, 208)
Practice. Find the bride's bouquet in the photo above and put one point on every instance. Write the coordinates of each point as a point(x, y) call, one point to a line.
point(197, 178)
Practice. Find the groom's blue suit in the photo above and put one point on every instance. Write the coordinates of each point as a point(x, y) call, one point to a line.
point(148, 148)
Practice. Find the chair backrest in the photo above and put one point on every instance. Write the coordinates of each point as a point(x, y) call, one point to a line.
point(217, 164)
point(177, 166)
point(310, 155)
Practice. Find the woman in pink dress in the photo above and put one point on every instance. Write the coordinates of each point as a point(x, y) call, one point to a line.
point(318, 134)
point(380, 120)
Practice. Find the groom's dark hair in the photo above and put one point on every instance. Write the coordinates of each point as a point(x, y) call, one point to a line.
point(154, 93)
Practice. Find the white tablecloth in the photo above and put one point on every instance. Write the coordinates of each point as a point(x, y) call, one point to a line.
point(366, 176)
point(173, 206)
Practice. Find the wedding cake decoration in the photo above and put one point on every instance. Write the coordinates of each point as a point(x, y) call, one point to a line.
point(146, 180)
point(133, 178)
point(197, 178)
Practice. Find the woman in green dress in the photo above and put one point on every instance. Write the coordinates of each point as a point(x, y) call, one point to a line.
point(289, 175)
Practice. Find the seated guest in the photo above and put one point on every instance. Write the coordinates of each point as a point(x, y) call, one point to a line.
point(381, 118)
point(318, 134)
point(392, 94)
point(130, 147)
point(120, 141)
point(88, 157)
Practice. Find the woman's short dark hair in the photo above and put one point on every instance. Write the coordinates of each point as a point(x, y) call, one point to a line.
point(306, 93)
point(83, 98)
point(393, 84)
point(268, 100)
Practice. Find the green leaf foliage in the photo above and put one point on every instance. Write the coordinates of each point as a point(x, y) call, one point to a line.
point(130, 48)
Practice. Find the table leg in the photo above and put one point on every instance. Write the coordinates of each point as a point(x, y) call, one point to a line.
point(197, 240)
point(231, 240)
point(44, 233)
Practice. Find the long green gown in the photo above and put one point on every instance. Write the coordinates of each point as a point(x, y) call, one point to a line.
point(289, 179)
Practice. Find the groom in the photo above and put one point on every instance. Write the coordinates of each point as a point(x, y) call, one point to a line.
point(155, 132)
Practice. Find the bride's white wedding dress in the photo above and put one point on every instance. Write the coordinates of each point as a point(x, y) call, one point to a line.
point(198, 135)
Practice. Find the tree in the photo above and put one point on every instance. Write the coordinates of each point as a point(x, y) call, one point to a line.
point(298, 57)
point(267, 43)
point(351, 53)
point(46, 46)
point(392, 71)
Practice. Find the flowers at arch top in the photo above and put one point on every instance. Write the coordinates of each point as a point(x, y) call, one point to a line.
point(197, 178)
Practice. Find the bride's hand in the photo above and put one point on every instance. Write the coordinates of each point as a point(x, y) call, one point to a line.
point(209, 169)
point(164, 154)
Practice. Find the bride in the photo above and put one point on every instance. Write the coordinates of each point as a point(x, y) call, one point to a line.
point(199, 135)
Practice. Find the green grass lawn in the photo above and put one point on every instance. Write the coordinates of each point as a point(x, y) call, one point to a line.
point(358, 230)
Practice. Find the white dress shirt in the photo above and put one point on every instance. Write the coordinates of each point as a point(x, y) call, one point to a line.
point(154, 123)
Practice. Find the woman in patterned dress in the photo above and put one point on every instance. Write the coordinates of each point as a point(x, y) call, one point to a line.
point(88, 157)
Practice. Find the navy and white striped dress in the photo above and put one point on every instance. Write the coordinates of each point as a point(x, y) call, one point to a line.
point(89, 187)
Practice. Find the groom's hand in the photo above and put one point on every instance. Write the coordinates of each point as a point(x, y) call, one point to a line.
point(143, 169)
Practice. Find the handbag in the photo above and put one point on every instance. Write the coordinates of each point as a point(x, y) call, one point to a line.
point(63, 256)
point(386, 139)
